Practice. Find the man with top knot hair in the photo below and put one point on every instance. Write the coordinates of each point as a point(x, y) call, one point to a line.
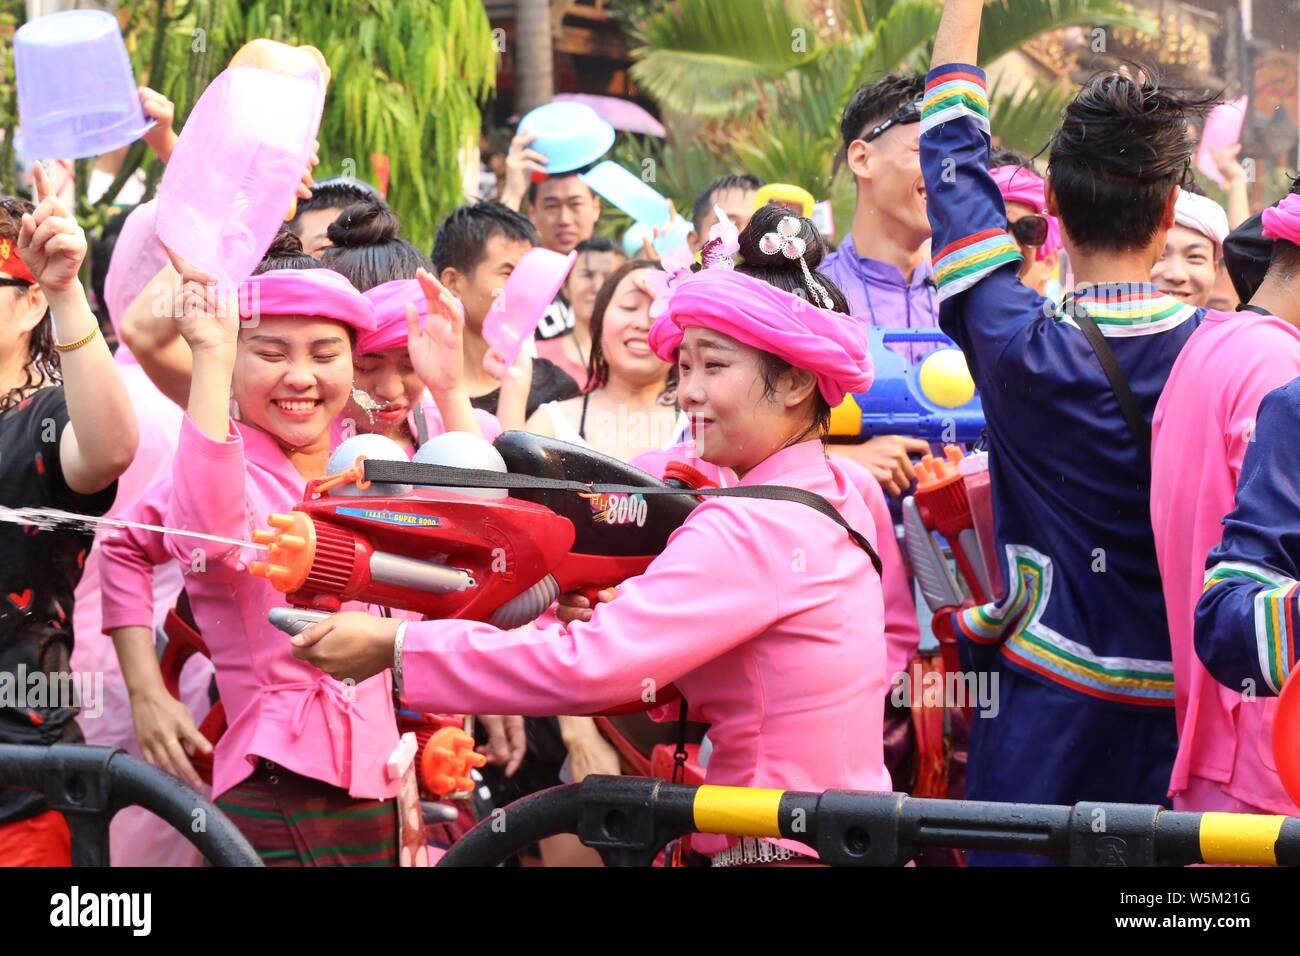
point(1079, 644)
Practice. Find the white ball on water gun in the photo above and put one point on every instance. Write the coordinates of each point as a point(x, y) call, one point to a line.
point(374, 447)
point(463, 450)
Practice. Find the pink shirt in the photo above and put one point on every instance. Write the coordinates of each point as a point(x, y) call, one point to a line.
point(279, 708)
point(1204, 419)
point(902, 630)
point(783, 655)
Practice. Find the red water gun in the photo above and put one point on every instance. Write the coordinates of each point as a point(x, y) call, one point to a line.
point(952, 501)
point(449, 555)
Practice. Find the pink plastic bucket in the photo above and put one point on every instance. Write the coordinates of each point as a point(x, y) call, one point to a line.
point(236, 168)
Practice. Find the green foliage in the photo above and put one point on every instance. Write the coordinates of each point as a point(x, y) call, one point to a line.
point(408, 77)
point(1025, 119)
point(735, 62)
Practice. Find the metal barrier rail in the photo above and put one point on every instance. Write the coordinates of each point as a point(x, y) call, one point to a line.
point(629, 819)
point(88, 785)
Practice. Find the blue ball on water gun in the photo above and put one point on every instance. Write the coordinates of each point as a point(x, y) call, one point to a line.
point(932, 399)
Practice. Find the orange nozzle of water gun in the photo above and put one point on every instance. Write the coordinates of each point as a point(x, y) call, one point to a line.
point(291, 550)
point(933, 473)
point(447, 760)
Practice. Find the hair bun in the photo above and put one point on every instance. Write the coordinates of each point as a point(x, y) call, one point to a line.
point(766, 220)
point(365, 223)
point(285, 245)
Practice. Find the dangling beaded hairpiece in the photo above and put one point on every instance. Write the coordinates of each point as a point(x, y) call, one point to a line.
point(789, 243)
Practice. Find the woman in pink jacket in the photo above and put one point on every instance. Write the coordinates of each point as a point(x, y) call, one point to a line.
point(301, 768)
point(783, 653)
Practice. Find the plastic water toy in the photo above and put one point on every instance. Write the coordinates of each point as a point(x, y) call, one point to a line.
point(934, 399)
point(446, 761)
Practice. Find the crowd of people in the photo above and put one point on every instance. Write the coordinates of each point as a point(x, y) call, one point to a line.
point(1136, 349)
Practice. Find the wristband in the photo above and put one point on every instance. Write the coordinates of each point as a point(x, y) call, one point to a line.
point(397, 656)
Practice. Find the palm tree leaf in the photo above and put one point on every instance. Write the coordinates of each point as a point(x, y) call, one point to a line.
point(1010, 24)
point(1024, 119)
point(706, 57)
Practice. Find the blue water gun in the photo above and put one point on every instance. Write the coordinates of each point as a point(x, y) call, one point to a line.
point(932, 399)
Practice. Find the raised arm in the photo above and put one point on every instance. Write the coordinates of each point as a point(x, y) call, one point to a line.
point(100, 438)
point(958, 39)
point(149, 330)
point(983, 304)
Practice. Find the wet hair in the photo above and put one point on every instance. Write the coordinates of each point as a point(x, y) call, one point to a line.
point(366, 249)
point(532, 186)
point(462, 239)
point(42, 363)
point(597, 367)
point(786, 274)
point(286, 252)
point(1122, 146)
point(873, 102)
point(704, 201)
point(338, 193)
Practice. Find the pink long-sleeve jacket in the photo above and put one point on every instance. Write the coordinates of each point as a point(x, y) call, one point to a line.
point(279, 708)
point(902, 631)
point(766, 615)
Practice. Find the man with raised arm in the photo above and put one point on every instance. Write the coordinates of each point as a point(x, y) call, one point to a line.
point(1079, 643)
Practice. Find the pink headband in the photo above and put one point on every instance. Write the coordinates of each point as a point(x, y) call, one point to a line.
point(390, 301)
point(1283, 220)
point(829, 345)
point(321, 293)
point(1023, 185)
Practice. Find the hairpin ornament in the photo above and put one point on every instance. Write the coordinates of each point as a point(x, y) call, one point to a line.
point(789, 243)
point(724, 241)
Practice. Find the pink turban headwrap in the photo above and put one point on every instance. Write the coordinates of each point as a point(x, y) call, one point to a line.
point(1023, 185)
point(1283, 220)
point(321, 293)
point(390, 300)
point(1202, 214)
point(831, 346)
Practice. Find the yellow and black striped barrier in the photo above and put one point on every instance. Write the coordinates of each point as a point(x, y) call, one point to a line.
point(629, 819)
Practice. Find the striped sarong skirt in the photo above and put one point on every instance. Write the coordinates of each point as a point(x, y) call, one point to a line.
point(293, 820)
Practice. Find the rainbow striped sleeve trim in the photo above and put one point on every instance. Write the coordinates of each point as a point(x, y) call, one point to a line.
point(961, 264)
point(952, 92)
point(1275, 617)
point(1037, 648)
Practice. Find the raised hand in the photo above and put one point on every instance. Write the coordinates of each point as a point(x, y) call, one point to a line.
point(521, 163)
point(209, 318)
point(438, 350)
point(161, 137)
point(50, 241)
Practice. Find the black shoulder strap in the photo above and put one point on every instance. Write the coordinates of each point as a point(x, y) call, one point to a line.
point(1247, 307)
point(1118, 381)
point(414, 473)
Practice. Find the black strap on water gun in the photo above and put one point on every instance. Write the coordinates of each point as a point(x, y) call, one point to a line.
point(1118, 380)
point(415, 473)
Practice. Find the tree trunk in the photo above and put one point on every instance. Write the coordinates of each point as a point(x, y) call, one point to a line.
point(534, 70)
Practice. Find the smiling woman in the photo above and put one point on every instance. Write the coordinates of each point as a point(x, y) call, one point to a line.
point(301, 767)
point(629, 405)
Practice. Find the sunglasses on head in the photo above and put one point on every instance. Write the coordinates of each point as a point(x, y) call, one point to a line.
point(1029, 230)
point(909, 112)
